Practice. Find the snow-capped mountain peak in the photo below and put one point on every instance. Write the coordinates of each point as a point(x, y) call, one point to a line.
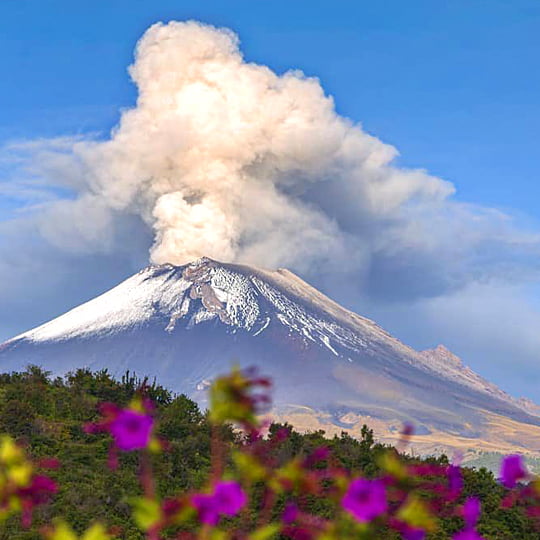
point(185, 324)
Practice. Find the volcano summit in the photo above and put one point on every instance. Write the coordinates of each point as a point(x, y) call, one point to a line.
point(333, 369)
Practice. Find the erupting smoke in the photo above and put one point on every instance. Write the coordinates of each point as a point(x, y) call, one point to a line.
point(227, 159)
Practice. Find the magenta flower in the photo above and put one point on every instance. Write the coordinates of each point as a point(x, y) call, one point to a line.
point(468, 534)
point(131, 430)
point(412, 533)
point(365, 499)
point(290, 513)
point(228, 498)
point(206, 507)
point(471, 512)
point(512, 470)
point(40, 489)
point(455, 480)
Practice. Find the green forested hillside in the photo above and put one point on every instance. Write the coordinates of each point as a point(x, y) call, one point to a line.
point(47, 414)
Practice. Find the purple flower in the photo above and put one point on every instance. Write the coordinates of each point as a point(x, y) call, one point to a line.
point(471, 512)
point(230, 498)
point(365, 499)
point(227, 499)
point(39, 490)
point(512, 470)
point(290, 513)
point(412, 533)
point(455, 480)
point(206, 507)
point(468, 534)
point(131, 430)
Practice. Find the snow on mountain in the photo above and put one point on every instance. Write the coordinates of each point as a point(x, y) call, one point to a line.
point(186, 324)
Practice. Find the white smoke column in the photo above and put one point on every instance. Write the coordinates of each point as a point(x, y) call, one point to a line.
point(227, 159)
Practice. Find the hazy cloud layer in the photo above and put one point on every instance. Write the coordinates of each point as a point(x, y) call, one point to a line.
point(493, 328)
point(225, 158)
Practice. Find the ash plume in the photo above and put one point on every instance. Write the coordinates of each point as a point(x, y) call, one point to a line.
point(227, 159)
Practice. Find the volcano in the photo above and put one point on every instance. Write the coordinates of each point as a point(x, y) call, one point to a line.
point(333, 369)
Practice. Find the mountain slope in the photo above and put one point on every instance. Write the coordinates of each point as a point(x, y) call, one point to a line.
point(333, 369)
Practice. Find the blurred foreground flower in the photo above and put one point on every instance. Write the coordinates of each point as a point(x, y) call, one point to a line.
point(512, 470)
point(365, 499)
point(455, 481)
point(471, 513)
point(228, 498)
point(468, 534)
point(416, 516)
point(21, 489)
point(239, 397)
point(283, 484)
point(131, 428)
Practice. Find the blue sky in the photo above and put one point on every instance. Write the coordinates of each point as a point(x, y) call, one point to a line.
point(453, 85)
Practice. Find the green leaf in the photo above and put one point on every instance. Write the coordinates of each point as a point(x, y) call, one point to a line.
point(415, 513)
point(146, 512)
point(391, 463)
point(265, 533)
point(248, 466)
